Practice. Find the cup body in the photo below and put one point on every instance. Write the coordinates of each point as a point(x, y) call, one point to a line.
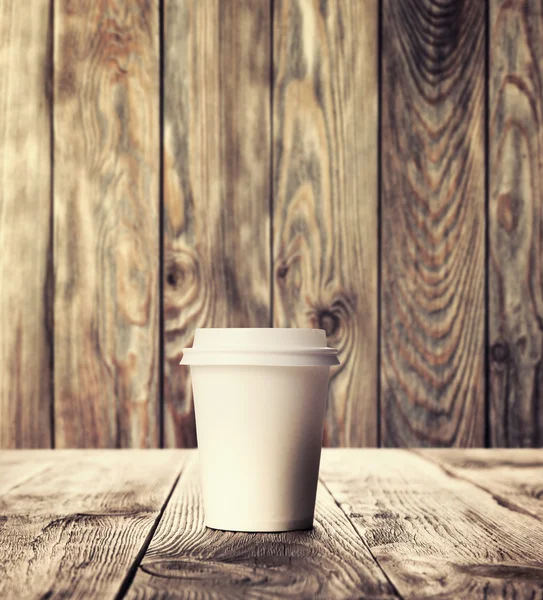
point(259, 438)
point(260, 400)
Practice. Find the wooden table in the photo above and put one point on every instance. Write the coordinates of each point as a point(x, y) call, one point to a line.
point(389, 524)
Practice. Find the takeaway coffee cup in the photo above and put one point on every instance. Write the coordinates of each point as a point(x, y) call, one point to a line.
point(259, 398)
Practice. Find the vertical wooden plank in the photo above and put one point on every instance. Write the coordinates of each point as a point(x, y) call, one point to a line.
point(516, 220)
point(433, 223)
point(25, 232)
point(106, 223)
point(325, 195)
point(216, 182)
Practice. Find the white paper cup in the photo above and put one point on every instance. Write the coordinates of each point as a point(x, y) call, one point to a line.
point(260, 399)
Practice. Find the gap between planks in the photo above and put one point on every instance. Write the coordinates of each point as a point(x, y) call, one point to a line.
point(131, 573)
point(436, 535)
point(16, 470)
point(338, 504)
point(186, 558)
point(506, 500)
point(48, 489)
point(449, 472)
point(431, 456)
point(439, 459)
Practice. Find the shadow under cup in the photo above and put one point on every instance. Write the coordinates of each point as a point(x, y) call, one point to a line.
point(260, 400)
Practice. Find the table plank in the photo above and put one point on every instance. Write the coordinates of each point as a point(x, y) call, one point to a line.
point(19, 466)
point(79, 527)
point(513, 477)
point(435, 535)
point(185, 559)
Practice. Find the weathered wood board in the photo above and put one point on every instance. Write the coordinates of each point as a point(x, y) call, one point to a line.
point(436, 536)
point(79, 527)
point(515, 223)
point(389, 523)
point(513, 477)
point(26, 337)
point(325, 141)
point(216, 183)
point(106, 223)
point(433, 223)
point(185, 559)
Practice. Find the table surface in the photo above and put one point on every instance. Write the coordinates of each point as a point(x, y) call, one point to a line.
point(388, 524)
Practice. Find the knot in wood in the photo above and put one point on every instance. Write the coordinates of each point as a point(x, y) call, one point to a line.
point(176, 273)
point(171, 278)
point(499, 352)
point(282, 272)
point(328, 321)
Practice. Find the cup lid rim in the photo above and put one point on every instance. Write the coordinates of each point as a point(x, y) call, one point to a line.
point(261, 350)
point(259, 356)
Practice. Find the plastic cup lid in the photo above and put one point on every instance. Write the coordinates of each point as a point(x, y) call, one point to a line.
point(260, 346)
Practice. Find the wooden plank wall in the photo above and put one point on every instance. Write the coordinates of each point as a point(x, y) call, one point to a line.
point(372, 167)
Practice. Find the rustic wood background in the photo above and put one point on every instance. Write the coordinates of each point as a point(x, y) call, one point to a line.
point(372, 167)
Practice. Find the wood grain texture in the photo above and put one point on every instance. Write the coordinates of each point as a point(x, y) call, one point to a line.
point(75, 530)
point(435, 536)
point(82, 525)
point(216, 182)
point(25, 231)
point(187, 560)
point(516, 223)
point(513, 477)
point(19, 466)
point(106, 207)
point(325, 195)
point(433, 224)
